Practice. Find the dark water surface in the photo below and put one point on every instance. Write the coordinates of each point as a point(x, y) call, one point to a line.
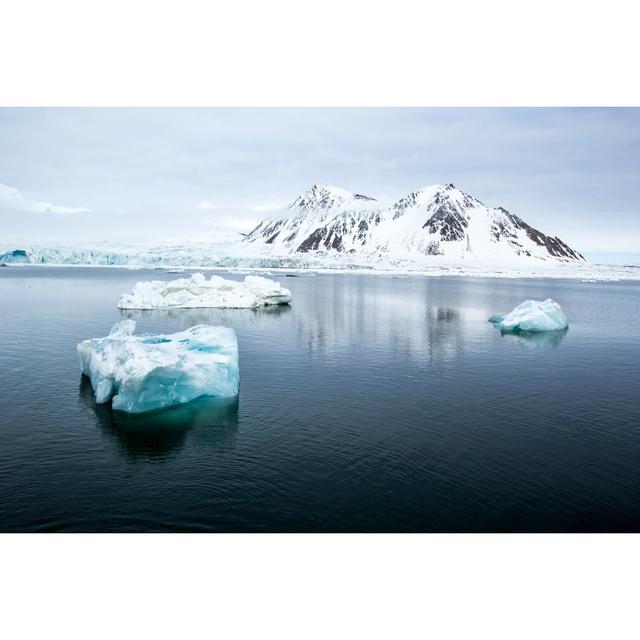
point(372, 404)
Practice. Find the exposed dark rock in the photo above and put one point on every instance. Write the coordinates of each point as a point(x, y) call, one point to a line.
point(450, 223)
point(554, 246)
point(313, 241)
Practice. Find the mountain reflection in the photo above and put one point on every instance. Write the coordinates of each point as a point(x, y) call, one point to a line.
point(386, 317)
point(445, 332)
point(162, 434)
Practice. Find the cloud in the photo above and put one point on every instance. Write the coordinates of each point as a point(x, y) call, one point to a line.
point(205, 205)
point(11, 198)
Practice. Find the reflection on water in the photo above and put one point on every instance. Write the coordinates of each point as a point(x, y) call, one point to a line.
point(407, 325)
point(444, 332)
point(421, 321)
point(536, 339)
point(159, 435)
point(444, 314)
point(186, 318)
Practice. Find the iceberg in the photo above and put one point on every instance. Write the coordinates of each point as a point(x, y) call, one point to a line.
point(198, 292)
point(150, 372)
point(533, 315)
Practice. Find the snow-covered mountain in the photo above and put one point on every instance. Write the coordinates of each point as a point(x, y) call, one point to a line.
point(435, 220)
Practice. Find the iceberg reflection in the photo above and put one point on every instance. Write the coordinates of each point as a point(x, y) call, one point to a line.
point(160, 435)
point(226, 317)
point(536, 339)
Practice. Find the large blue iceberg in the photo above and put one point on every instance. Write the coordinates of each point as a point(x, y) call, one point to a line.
point(533, 315)
point(150, 372)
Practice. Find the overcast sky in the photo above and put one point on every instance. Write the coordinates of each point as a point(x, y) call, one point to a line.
point(163, 174)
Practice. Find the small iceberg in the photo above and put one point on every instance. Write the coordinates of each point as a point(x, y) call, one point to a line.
point(198, 292)
point(533, 315)
point(150, 372)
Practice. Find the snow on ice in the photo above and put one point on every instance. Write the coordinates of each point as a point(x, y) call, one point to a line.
point(197, 292)
point(150, 372)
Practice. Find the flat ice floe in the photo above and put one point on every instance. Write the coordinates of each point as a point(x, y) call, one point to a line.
point(150, 372)
point(533, 315)
point(198, 292)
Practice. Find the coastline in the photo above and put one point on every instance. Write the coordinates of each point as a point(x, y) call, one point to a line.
point(583, 272)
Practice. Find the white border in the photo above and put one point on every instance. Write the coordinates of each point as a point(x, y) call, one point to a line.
point(306, 586)
point(338, 52)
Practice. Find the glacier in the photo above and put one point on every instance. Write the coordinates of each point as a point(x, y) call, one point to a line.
point(146, 373)
point(197, 292)
point(533, 315)
point(244, 256)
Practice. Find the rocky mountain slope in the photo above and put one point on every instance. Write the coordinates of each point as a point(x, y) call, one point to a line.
point(435, 220)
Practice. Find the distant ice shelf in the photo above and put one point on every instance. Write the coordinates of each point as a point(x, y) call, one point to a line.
point(151, 372)
point(533, 315)
point(259, 259)
point(198, 292)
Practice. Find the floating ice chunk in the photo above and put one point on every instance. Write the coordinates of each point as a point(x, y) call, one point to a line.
point(150, 372)
point(533, 315)
point(197, 292)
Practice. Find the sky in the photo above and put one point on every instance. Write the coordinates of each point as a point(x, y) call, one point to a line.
point(162, 174)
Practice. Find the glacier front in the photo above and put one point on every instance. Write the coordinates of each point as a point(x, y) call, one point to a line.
point(150, 372)
point(533, 315)
point(198, 292)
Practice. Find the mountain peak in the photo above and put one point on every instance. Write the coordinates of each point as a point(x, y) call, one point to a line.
point(321, 189)
point(325, 196)
point(438, 188)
